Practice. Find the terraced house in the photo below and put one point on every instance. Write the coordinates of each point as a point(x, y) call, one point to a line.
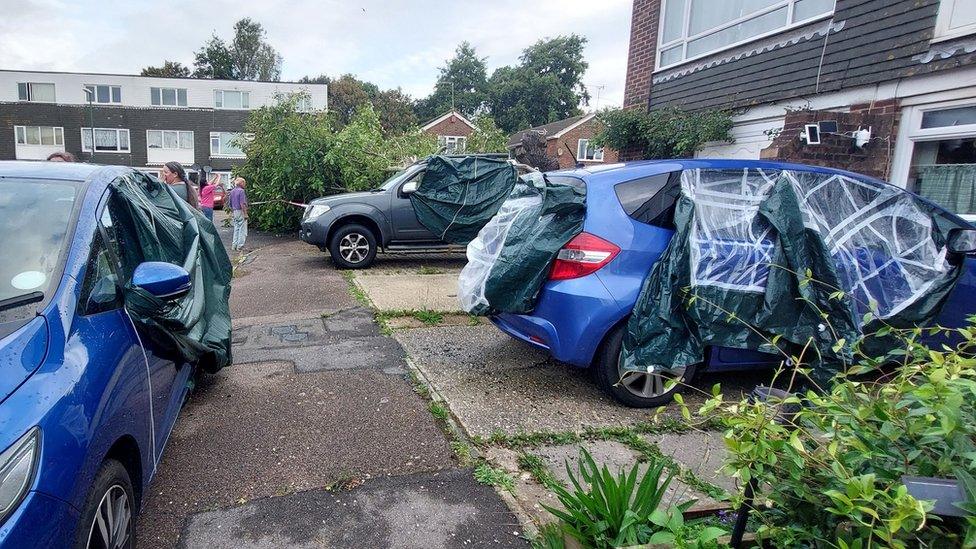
point(882, 87)
point(138, 121)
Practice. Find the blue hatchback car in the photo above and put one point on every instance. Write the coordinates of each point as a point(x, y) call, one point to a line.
point(86, 405)
point(582, 310)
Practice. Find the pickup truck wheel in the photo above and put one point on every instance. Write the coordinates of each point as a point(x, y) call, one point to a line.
point(635, 389)
point(353, 247)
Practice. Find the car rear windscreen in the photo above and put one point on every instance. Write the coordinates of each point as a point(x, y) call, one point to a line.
point(651, 199)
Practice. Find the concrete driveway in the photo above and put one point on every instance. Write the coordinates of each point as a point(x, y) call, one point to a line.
point(315, 436)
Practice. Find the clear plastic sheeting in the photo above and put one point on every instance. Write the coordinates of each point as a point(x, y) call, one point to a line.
point(793, 256)
point(509, 260)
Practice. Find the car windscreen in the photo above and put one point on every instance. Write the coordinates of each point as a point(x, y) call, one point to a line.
point(393, 180)
point(35, 216)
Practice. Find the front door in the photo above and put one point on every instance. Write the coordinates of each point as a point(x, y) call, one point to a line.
point(406, 226)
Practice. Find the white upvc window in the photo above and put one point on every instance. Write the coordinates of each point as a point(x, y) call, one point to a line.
point(36, 92)
point(39, 135)
point(453, 143)
point(586, 151)
point(691, 29)
point(304, 103)
point(106, 140)
point(232, 99)
point(104, 93)
point(167, 97)
point(956, 18)
point(227, 144)
point(169, 139)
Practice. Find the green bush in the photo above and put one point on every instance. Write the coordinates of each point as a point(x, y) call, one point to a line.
point(667, 132)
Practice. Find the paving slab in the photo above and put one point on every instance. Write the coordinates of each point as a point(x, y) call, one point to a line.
point(702, 452)
point(434, 510)
point(434, 292)
point(417, 263)
point(257, 430)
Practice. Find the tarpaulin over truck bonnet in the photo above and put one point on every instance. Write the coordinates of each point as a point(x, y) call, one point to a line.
point(458, 195)
point(802, 255)
point(154, 224)
point(509, 260)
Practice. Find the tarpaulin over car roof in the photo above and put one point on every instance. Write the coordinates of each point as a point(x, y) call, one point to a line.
point(458, 195)
point(154, 224)
point(791, 257)
point(509, 260)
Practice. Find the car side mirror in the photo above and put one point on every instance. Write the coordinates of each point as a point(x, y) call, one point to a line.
point(409, 187)
point(162, 280)
point(961, 241)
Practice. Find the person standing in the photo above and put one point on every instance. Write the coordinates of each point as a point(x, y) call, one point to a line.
point(207, 196)
point(238, 213)
point(174, 175)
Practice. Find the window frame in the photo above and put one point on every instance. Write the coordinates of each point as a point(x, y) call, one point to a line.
point(581, 151)
point(176, 94)
point(111, 95)
point(118, 140)
point(221, 154)
point(30, 92)
point(463, 139)
point(162, 139)
point(245, 100)
point(942, 31)
point(58, 130)
point(684, 39)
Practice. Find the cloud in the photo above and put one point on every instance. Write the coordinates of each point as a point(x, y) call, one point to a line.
point(394, 44)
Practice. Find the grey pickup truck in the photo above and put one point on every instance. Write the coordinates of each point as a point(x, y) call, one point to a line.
point(353, 227)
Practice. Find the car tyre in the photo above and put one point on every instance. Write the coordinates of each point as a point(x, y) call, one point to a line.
point(353, 246)
point(636, 390)
point(109, 514)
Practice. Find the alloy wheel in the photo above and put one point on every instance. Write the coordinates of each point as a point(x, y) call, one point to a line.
point(110, 527)
point(354, 248)
point(647, 385)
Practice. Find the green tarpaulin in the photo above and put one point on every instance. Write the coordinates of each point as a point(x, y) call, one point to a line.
point(458, 195)
point(509, 260)
point(786, 257)
point(154, 224)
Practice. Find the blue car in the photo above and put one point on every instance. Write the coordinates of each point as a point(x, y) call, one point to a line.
point(86, 405)
point(582, 310)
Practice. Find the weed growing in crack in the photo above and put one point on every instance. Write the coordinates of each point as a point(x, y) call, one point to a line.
point(494, 476)
point(438, 410)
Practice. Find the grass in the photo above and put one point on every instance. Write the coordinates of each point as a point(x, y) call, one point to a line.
point(438, 410)
point(537, 468)
point(355, 291)
point(425, 270)
point(462, 451)
point(426, 316)
point(494, 476)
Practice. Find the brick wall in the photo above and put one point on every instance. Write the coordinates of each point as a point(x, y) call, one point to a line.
point(643, 51)
point(451, 125)
point(838, 151)
point(564, 148)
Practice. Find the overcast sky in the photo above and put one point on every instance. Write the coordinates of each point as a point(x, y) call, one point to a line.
point(392, 44)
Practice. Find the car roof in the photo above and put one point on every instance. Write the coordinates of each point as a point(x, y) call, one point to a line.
point(69, 171)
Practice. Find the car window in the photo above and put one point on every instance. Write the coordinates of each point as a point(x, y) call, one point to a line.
point(101, 288)
point(651, 199)
point(415, 180)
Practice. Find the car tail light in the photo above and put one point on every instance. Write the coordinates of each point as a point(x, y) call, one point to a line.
point(583, 255)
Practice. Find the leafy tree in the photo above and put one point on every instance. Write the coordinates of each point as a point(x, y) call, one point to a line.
point(213, 60)
point(169, 69)
point(346, 95)
point(486, 137)
point(247, 57)
point(395, 110)
point(463, 83)
point(545, 87)
point(662, 133)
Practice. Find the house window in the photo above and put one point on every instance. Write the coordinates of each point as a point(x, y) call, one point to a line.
point(956, 18)
point(304, 103)
point(167, 97)
point(452, 143)
point(943, 157)
point(106, 140)
point(586, 151)
point(35, 92)
point(39, 135)
point(228, 99)
point(103, 93)
point(169, 139)
point(690, 29)
point(227, 144)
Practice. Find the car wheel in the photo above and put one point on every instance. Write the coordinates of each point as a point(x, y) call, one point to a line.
point(635, 389)
point(108, 517)
point(353, 247)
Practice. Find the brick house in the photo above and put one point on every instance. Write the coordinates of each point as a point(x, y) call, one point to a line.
point(792, 69)
point(139, 121)
point(569, 141)
point(451, 129)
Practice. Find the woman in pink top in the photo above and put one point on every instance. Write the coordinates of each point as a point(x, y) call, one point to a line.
point(207, 196)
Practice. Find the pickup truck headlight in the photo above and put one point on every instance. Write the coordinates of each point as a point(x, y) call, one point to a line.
point(316, 210)
point(17, 465)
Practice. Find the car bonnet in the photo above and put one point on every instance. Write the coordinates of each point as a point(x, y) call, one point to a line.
point(21, 353)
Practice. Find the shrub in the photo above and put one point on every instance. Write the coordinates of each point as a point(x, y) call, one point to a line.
point(668, 132)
